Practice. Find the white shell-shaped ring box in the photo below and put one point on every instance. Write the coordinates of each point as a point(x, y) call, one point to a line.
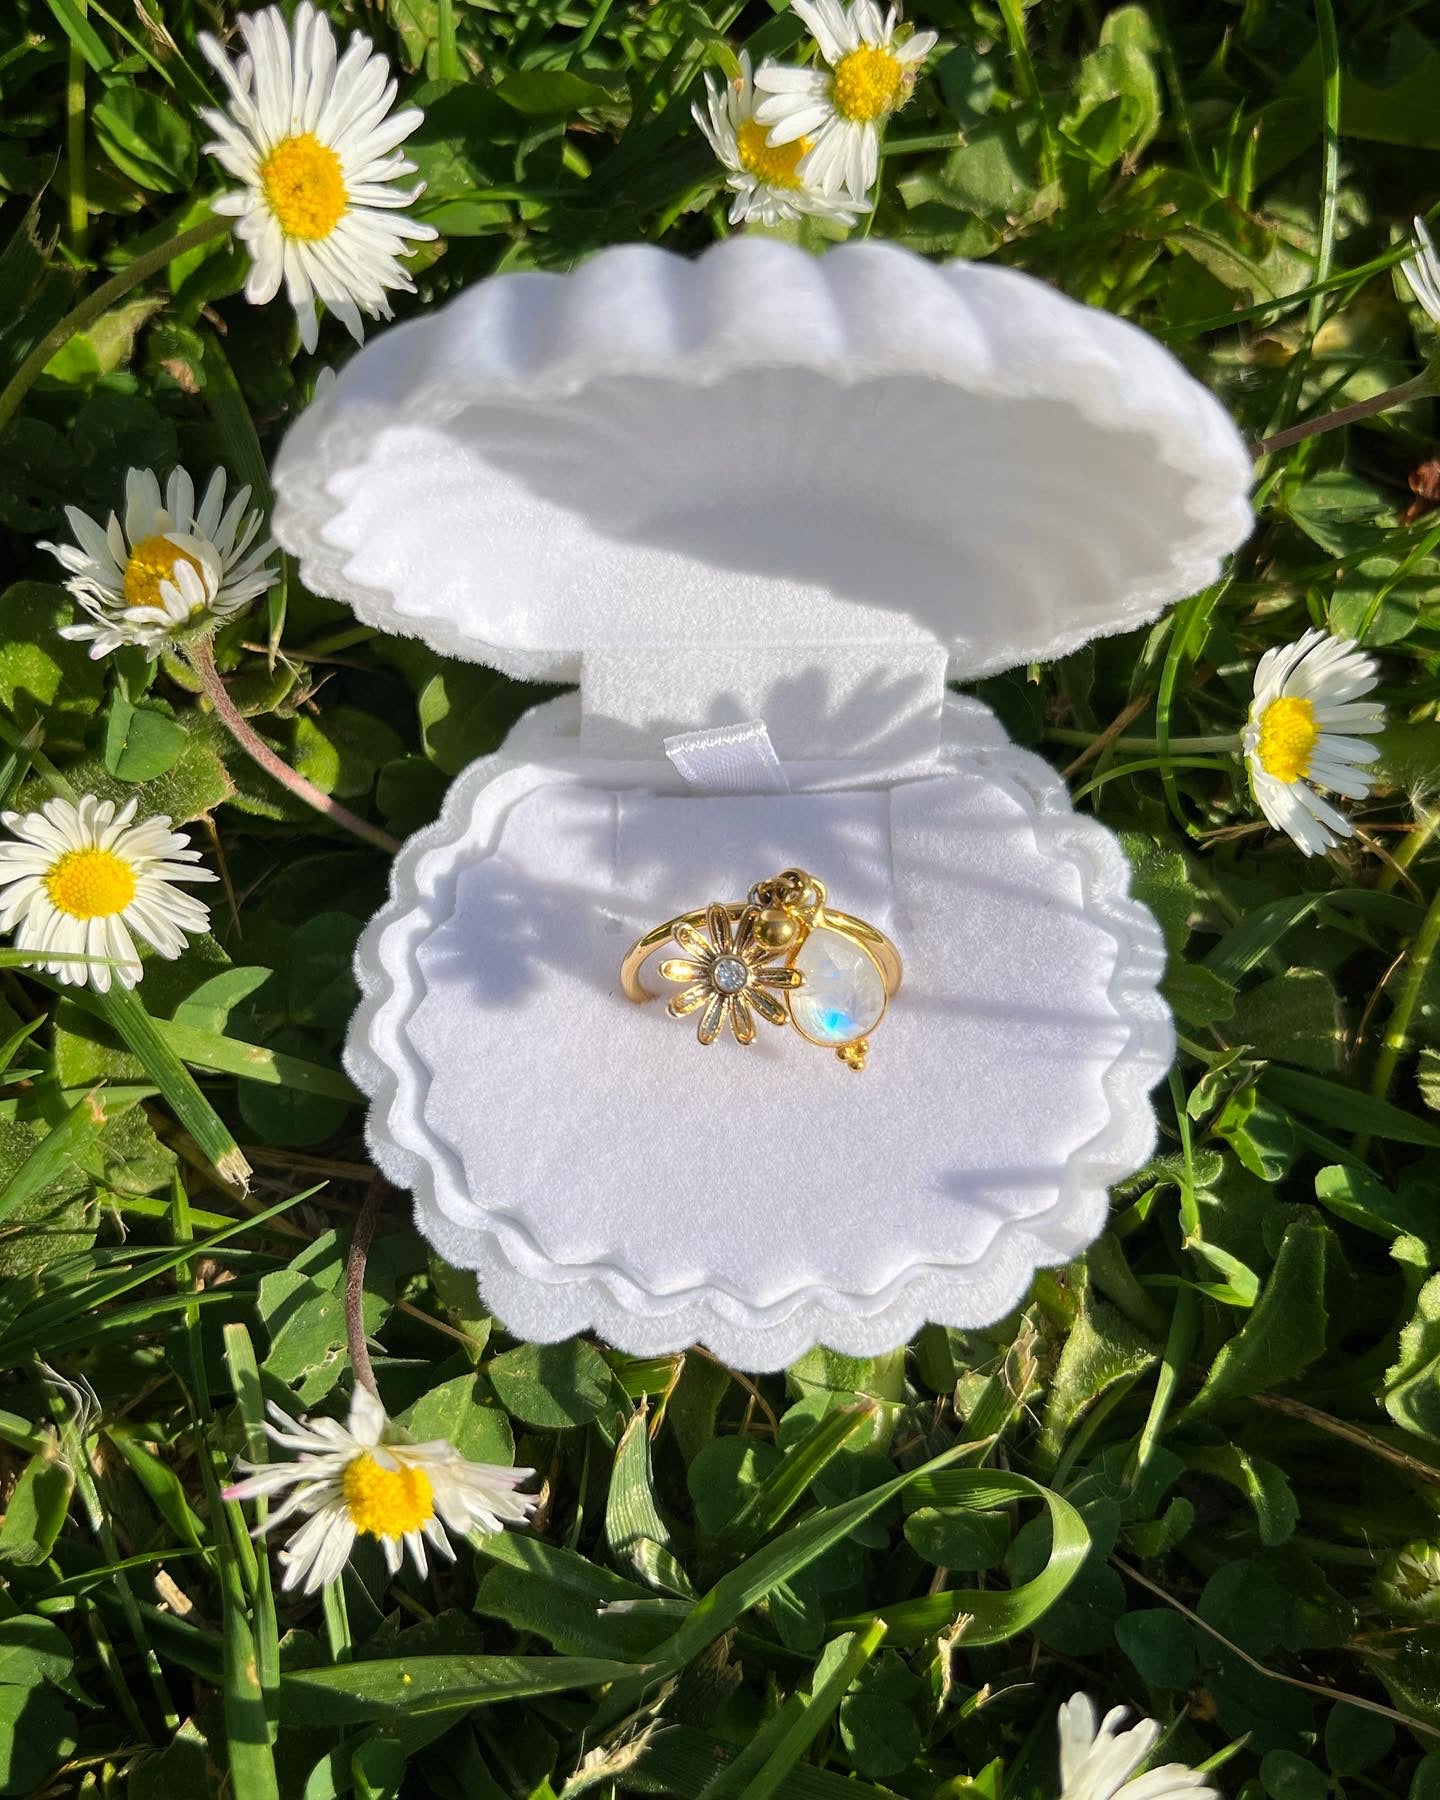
point(805, 490)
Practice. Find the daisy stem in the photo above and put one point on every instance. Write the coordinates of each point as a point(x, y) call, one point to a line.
point(1397, 1030)
point(201, 655)
point(355, 1284)
point(95, 305)
point(1414, 389)
point(1182, 746)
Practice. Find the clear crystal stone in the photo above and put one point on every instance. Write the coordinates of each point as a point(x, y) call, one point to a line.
point(729, 974)
point(844, 992)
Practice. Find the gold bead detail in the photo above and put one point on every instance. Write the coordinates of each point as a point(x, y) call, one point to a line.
point(775, 928)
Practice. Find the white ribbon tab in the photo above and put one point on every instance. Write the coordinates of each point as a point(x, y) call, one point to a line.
point(729, 759)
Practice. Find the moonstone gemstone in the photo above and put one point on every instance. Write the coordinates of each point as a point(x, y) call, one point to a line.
point(844, 992)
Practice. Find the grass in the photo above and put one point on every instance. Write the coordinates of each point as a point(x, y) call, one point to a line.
point(1197, 1471)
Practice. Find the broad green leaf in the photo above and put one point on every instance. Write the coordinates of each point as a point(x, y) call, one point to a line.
point(145, 138)
point(570, 1620)
point(880, 1734)
point(1103, 1351)
point(552, 1386)
point(1264, 1484)
point(1287, 1328)
point(32, 1651)
point(1116, 109)
point(1161, 1644)
point(955, 1538)
point(1259, 1132)
point(460, 1297)
point(1292, 1018)
point(1286, 1776)
point(1160, 878)
point(34, 1518)
point(140, 743)
point(1412, 1383)
point(41, 674)
point(37, 1734)
point(1245, 1604)
point(1197, 995)
point(1356, 1740)
point(632, 1517)
point(342, 750)
point(724, 1476)
point(555, 93)
point(302, 1114)
point(455, 1411)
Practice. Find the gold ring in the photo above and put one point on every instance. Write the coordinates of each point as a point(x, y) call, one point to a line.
point(781, 953)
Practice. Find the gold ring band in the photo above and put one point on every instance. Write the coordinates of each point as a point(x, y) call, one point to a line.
point(783, 954)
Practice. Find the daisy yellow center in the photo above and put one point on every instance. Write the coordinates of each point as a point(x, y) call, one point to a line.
point(90, 884)
point(152, 561)
point(867, 83)
point(774, 164)
point(387, 1502)
point(304, 184)
point(1288, 735)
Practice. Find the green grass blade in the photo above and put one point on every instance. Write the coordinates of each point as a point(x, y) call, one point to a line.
point(354, 1693)
point(58, 1151)
point(781, 1492)
point(245, 1379)
point(783, 1740)
point(1350, 1108)
point(82, 34)
point(794, 1550)
point(252, 1062)
point(989, 1615)
point(124, 1011)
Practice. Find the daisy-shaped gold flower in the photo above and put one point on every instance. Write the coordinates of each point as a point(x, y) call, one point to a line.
point(728, 970)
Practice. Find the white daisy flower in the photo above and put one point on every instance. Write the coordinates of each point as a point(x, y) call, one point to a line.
point(366, 1478)
point(1422, 271)
point(1097, 1759)
point(762, 175)
point(836, 110)
point(82, 878)
point(1296, 738)
point(312, 138)
point(170, 569)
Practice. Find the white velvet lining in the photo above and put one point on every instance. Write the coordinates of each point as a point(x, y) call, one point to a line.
point(760, 451)
point(600, 1169)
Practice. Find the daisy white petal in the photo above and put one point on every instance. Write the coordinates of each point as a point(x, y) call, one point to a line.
point(311, 136)
point(762, 173)
point(79, 880)
point(1301, 735)
point(368, 1478)
point(1098, 1761)
point(837, 115)
point(1422, 271)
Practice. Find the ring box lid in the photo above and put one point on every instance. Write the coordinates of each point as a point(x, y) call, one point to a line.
point(697, 486)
